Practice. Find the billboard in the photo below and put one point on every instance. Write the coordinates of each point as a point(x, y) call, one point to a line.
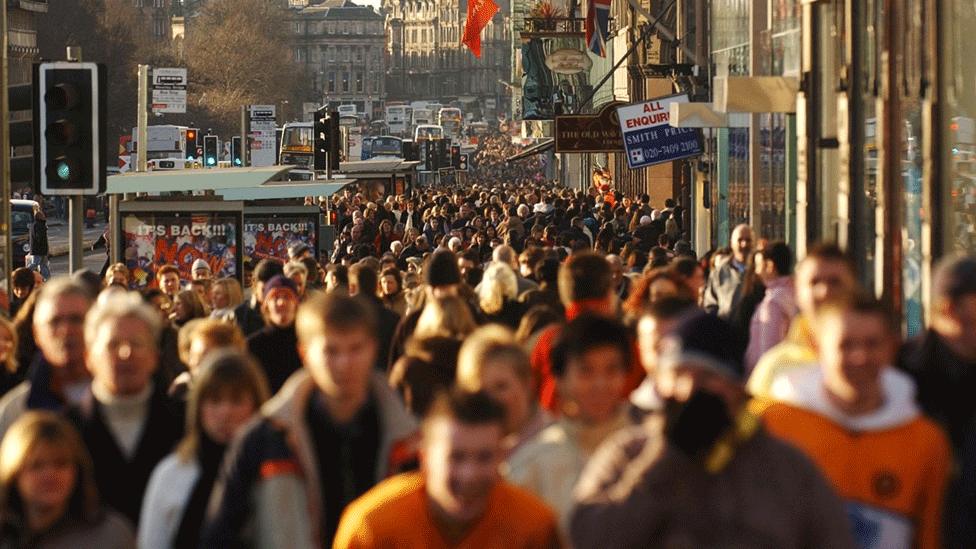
point(270, 235)
point(648, 136)
point(154, 239)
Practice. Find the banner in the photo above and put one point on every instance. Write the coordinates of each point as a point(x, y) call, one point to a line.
point(270, 235)
point(155, 239)
point(480, 13)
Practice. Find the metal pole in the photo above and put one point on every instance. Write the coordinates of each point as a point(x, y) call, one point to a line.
point(76, 205)
point(142, 116)
point(5, 244)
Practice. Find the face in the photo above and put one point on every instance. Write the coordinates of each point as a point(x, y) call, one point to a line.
point(21, 292)
point(170, 283)
point(281, 304)
point(182, 309)
point(118, 277)
point(963, 311)
point(357, 232)
point(389, 285)
point(594, 382)
point(818, 282)
point(680, 383)
point(48, 477)
point(299, 279)
point(201, 274)
point(59, 329)
point(498, 379)
point(697, 281)
point(853, 348)
point(460, 464)
point(742, 243)
point(650, 333)
point(341, 362)
point(123, 356)
point(220, 296)
point(224, 413)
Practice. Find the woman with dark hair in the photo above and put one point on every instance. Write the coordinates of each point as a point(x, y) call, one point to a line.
point(228, 389)
point(384, 236)
point(391, 290)
point(187, 305)
point(48, 497)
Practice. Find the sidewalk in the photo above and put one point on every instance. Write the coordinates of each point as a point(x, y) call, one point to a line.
point(57, 236)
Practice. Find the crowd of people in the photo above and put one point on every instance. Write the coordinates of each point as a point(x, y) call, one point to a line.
point(512, 365)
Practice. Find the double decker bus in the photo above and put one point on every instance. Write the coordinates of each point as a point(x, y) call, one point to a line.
point(450, 119)
point(386, 146)
point(427, 131)
point(296, 146)
point(398, 118)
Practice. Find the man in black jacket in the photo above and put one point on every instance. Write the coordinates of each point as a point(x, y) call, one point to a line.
point(364, 282)
point(38, 258)
point(248, 314)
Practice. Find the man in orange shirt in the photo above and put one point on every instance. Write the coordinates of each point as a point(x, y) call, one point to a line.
point(856, 418)
point(458, 500)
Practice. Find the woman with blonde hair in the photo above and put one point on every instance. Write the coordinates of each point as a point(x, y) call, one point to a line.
point(446, 316)
point(48, 497)
point(498, 295)
point(225, 295)
point(197, 339)
point(228, 391)
point(491, 360)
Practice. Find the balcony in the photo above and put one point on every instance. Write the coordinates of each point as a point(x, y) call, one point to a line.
point(553, 27)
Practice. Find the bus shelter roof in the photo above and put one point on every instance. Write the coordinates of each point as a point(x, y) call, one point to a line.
point(378, 166)
point(287, 189)
point(215, 179)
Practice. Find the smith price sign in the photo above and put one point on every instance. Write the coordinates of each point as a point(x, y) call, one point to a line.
point(649, 140)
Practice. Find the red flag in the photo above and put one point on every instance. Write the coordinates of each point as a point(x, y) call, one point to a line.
point(480, 13)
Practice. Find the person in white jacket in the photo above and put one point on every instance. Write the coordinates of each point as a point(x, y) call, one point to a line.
point(228, 390)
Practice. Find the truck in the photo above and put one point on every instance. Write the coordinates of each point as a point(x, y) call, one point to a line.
point(167, 143)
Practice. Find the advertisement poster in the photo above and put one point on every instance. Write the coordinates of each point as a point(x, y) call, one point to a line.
point(648, 136)
point(270, 235)
point(154, 239)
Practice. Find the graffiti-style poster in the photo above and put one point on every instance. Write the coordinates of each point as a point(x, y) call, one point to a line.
point(270, 235)
point(154, 239)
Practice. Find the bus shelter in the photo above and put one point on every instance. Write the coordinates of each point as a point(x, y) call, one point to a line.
point(380, 177)
point(230, 218)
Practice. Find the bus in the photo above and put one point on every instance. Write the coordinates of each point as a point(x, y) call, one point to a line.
point(422, 116)
point(427, 131)
point(386, 146)
point(450, 119)
point(166, 142)
point(398, 119)
point(296, 145)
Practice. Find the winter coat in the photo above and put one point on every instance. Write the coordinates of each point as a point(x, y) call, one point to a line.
point(166, 497)
point(38, 237)
point(723, 290)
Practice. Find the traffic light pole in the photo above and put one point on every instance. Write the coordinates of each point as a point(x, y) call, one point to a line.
point(5, 245)
point(76, 206)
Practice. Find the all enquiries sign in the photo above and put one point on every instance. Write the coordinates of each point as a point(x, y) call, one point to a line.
point(649, 140)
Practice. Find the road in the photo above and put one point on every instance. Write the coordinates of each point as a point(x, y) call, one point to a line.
point(93, 261)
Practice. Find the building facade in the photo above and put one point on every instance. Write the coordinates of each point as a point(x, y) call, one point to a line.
point(157, 19)
point(22, 49)
point(341, 49)
point(429, 62)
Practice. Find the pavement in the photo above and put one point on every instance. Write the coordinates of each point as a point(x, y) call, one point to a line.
point(57, 236)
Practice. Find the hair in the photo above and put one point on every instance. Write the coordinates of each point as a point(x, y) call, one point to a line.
point(640, 296)
point(217, 333)
point(498, 285)
point(395, 273)
point(233, 289)
point(166, 269)
point(341, 273)
point(863, 304)
point(954, 278)
point(22, 277)
point(365, 279)
point(114, 268)
point(585, 275)
point(25, 436)
point(828, 251)
point(684, 267)
point(465, 407)
point(266, 269)
point(534, 320)
point(781, 255)
point(585, 333)
point(61, 287)
point(334, 312)
point(314, 272)
point(228, 370)
point(10, 364)
point(197, 308)
point(669, 308)
point(427, 366)
point(119, 306)
point(447, 316)
point(492, 343)
point(295, 266)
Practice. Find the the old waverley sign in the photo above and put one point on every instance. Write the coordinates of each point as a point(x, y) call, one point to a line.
point(586, 133)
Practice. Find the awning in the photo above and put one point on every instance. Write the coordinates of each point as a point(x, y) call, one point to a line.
point(377, 165)
point(286, 189)
point(540, 147)
point(161, 181)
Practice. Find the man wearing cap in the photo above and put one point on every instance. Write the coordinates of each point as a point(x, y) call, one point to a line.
point(703, 473)
point(200, 270)
point(276, 345)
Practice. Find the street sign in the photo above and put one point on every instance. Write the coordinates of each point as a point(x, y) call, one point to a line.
point(649, 139)
point(261, 139)
point(169, 90)
point(599, 132)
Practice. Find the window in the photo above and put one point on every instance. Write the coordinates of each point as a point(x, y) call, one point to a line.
point(159, 26)
point(357, 54)
point(345, 81)
point(359, 81)
point(159, 3)
point(345, 54)
point(296, 27)
point(331, 88)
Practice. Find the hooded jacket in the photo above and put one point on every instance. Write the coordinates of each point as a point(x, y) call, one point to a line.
point(269, 492)
point(890, 465)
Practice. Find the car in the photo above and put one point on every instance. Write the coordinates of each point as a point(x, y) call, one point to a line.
point(21, 218)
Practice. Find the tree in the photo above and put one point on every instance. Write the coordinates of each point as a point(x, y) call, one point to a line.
point(236, 54)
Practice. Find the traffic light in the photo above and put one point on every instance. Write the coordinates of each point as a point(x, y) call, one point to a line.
point(410, 151)
point(430, 155)
point(21, 134)
point(69, 107)
point(236, 152)
point(327, 139)
point(442, 153)
point(462, 163)
point(210, 151)
point(455, 156)
point(191, 143)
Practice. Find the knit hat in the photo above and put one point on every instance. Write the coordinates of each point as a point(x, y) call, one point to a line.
point(442, 269)
point(705, 341)
point(278, 282)
point(200, 265)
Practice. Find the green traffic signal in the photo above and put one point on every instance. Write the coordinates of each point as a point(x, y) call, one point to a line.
point(63, 170)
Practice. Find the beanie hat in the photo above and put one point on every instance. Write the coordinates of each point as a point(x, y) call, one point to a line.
point(200, 265)
point(278, 282)
point(442, 269)
point(705, 341)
